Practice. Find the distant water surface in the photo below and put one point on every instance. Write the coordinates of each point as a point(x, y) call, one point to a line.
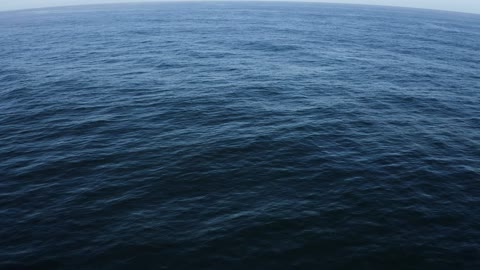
point(239, 136)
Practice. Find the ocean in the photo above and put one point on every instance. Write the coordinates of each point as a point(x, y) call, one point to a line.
point(239, 136)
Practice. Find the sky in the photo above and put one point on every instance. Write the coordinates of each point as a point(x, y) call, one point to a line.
point(471, 6)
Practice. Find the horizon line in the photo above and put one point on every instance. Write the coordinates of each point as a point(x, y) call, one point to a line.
point(228, 1)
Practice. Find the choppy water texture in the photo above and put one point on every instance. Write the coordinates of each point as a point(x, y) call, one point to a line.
point(239, 136)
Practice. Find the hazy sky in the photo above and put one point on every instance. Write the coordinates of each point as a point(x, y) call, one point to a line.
point(472, 6)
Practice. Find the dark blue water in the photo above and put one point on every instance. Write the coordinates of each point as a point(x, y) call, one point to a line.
point(239, 136)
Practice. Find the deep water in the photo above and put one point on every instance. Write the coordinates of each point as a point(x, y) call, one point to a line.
point(239, 136)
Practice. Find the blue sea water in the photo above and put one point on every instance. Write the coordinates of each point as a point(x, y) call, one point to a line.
point(239, 136)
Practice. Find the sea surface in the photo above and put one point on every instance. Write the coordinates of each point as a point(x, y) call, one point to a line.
point(239, 136)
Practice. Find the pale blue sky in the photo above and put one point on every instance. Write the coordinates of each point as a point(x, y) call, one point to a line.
point(472, 6)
